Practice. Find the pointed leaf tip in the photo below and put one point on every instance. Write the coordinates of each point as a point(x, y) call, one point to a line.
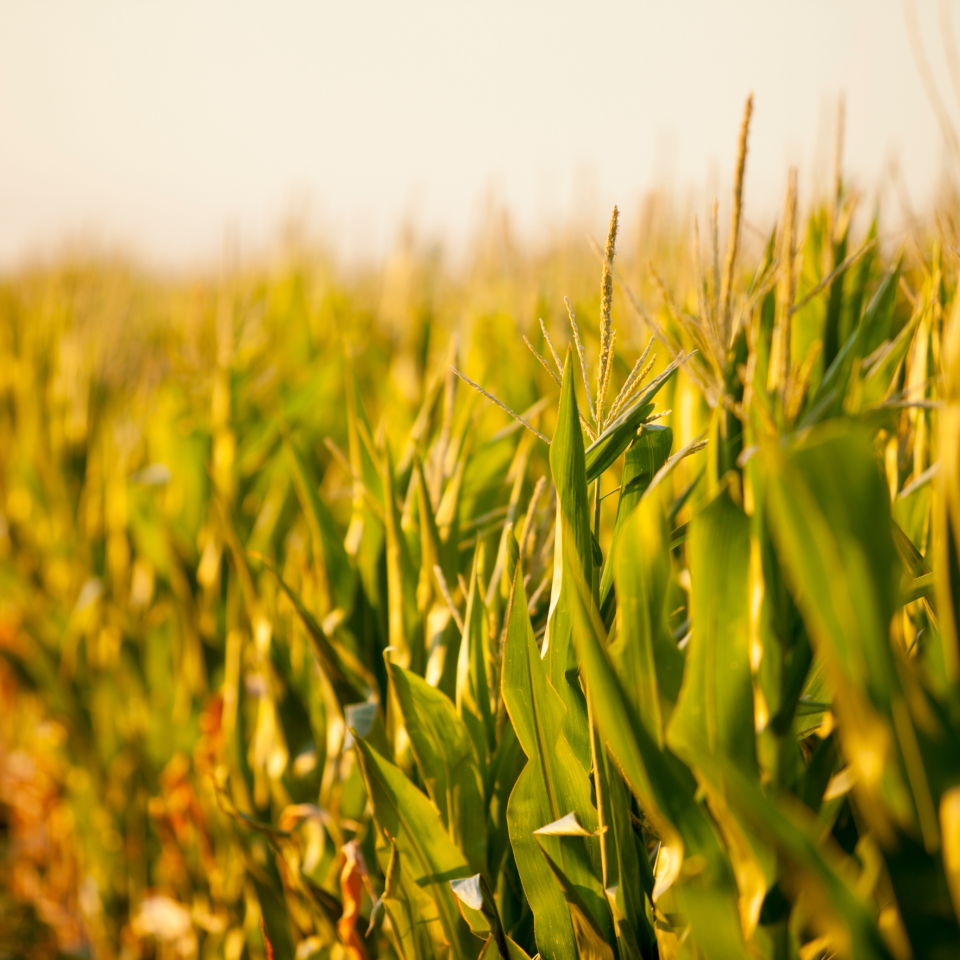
point(468, 890)
point(568, 826)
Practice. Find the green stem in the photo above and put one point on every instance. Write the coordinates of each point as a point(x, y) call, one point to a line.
point(597, 777)
point(596, 510)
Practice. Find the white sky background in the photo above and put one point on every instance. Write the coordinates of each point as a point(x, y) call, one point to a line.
point(157, 127)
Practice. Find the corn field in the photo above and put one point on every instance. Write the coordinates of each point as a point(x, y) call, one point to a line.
point(417, 617)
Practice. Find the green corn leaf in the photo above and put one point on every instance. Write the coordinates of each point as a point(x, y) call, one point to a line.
point(274, 916)
point(619, 434)
point(471, 900)
point(880, 378)
point(448, 515)
point(445, 756)
point(301, 709)
point(910, 510)
point(364, 540)
point(420, 427)
point(836, 910)
point(502, 773)
point(491, 951)
point(415, 924)
point(593, 942)
point(666, 791)
point(784, 653)
point(836, 549)
point(590, 897)
point(765, 316)
point(552, 784)
point(878, 317)
point(351, 681)
point(473, 691)
point(837, 546)
point(477, 903)
point(430, 858)
point(645, 456)
point(502, 577)
point(662, 789)
point(626, 938)
point(807, 322)
point(629, 878)
point(918, 587)
point(714, 711)
point(872, 330)
point(337, 576)
point(945, 516)
point(831, 323)
point(366, 720)
point(643, 653)
point(569, 477)
point(431, 547)
point(511, 559)
point(855, 286)
point(450, 640)
point(327, 909)
point(405, 622)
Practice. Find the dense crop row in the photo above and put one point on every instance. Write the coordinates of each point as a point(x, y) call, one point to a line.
point(310, 649)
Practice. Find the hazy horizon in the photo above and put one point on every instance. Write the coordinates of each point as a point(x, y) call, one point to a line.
point(160, 129)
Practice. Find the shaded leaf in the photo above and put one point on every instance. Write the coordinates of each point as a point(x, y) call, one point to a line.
point(445, 756)
point(644, 653)
point(473, 691)
point(592, 941)
point(644, 457)
point(429, 857)
point(338, 579)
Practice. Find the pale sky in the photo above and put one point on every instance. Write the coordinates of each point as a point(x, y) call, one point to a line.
point(157, 127)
